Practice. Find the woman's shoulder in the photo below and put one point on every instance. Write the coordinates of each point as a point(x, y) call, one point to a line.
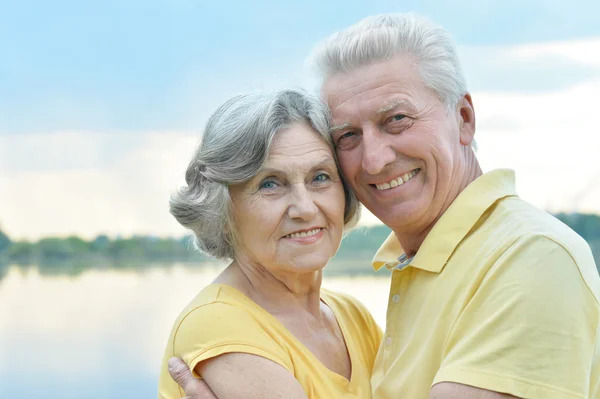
point(215, 304)
point(221, 315)
point(217, 293)
point(221, 320)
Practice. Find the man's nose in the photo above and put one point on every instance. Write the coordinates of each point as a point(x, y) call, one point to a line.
point(377, 153)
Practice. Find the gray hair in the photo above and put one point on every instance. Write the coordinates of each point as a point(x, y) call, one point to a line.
point(234, 147)
point(382, 37)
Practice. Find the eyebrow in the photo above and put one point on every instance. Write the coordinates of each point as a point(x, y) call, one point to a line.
point(390, 106)
point(336, 128)
point(380, 111)
point(324, 162)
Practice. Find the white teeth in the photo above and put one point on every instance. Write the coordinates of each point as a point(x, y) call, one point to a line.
point(397, 181)
point(303, 234)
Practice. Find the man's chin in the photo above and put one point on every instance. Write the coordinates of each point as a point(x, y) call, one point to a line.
point(399, 215)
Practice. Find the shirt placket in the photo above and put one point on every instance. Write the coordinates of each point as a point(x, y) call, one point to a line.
point(399, 277)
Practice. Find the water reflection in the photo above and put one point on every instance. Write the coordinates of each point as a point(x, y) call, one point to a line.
point(100, 333)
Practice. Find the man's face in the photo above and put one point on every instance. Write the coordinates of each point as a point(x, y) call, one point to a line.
point(398, 146)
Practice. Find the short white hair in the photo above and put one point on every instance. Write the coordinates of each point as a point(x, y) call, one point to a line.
point(382, 37)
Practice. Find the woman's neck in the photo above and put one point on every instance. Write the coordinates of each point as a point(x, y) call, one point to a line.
point(278, 293)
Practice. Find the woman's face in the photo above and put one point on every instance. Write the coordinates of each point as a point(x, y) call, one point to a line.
point(290, 216)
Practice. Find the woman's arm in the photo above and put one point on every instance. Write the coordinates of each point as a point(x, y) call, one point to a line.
point(242, 375)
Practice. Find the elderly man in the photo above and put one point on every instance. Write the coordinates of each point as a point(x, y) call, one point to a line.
point(490, 297)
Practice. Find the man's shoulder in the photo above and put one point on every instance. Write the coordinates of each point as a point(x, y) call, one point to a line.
point(514, 218)
point(521, 225)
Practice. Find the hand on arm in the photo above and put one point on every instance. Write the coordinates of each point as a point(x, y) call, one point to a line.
point(194, 388)
point(242, 375)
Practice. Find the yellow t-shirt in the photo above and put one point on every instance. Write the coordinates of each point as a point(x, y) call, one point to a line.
point(500, 296)
point(223, 320)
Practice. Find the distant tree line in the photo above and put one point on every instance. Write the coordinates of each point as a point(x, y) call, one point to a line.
point(357, 248)
point(100, 251)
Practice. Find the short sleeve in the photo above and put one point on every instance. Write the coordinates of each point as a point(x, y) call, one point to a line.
point(529, 330)
point(218, 328)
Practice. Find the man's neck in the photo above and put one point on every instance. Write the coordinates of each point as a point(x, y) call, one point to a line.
point(411, 239)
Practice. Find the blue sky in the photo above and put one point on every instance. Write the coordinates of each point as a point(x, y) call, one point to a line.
point(146, 65)
point(102, 102)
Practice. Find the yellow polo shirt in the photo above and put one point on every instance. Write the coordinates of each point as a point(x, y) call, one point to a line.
point(500, 296)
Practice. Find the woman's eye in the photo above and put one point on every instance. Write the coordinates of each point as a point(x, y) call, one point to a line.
point(268, 184)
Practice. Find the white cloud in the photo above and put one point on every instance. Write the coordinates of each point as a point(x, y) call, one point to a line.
point(125, 196)
point(551, 140)
point(546, 131)
point(531, 68)
point(583, 51)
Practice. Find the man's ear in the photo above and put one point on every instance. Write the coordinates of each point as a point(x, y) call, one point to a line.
point(466, 114)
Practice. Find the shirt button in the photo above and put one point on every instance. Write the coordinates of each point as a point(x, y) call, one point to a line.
point(396, 298)
point(388, 341)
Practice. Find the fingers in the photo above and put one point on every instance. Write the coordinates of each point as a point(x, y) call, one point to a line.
point(193, 387)
point(180, 372)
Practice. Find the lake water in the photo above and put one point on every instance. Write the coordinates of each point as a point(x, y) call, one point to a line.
point(100, 334)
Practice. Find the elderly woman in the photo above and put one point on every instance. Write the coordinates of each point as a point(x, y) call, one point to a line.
point(263, 190)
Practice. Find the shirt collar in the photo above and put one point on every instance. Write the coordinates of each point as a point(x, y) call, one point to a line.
point(454, 224)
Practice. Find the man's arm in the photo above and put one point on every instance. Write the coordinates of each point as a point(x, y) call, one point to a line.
point(451, 390)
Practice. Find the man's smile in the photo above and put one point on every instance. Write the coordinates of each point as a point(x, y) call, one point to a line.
point(398, 181)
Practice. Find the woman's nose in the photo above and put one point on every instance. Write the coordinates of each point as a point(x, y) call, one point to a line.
point(302, 205)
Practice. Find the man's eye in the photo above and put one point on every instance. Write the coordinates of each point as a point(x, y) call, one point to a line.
point(398, 117)
point(344, 136)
